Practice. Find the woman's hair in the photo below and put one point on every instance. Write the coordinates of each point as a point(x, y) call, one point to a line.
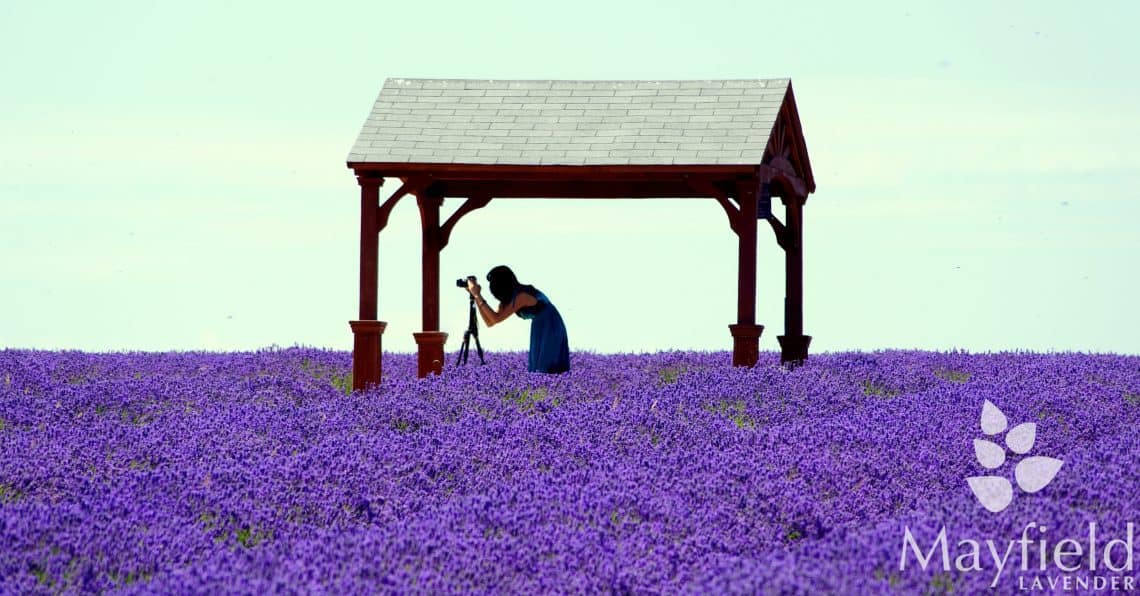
point(504, 284)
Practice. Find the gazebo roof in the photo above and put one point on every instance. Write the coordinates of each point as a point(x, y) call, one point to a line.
point(593, 123)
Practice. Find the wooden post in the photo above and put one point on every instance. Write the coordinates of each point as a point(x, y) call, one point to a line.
point(746, 333)
point(794, 344)
point(369, 245)
point(366, 359)
point(366, 349)
point(430, 341)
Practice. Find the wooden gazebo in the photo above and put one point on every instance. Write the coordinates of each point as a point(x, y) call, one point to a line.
point(735, 142)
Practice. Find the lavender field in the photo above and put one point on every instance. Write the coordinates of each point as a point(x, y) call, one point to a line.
point(653, 473)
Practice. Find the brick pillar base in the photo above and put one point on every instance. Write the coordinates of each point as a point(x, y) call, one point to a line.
point(745, 343)
point(430, 344)
point(793, 348)
point(366, 365)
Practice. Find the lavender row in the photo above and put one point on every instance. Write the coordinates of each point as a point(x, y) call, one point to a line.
point(667, 472)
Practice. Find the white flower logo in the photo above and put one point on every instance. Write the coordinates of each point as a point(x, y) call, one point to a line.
point(1032, 473)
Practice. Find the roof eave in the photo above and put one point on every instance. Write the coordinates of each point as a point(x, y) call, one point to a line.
point(553, 170)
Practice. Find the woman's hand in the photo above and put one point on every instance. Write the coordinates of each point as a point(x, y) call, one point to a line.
point(473, 287)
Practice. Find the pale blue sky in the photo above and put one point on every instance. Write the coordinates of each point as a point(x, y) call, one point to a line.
point(172, 176)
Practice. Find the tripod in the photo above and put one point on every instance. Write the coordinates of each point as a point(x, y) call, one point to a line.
point(472, 331)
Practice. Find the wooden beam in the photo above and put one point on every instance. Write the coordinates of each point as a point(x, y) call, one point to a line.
point(468, 206)
point(569, 189)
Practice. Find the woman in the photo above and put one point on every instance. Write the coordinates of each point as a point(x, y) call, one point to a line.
point(549, 348)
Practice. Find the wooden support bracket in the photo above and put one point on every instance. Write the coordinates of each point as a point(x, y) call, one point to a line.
point(471, 204)
point(410, 187)
point(781, 232)
point(710, 189)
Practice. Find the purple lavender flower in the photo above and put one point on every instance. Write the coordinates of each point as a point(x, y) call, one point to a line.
point(671, 472)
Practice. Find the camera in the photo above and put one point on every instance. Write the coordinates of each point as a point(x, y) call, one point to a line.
point(462, 282)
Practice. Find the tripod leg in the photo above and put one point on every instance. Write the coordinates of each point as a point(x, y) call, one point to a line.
point(479, 348)
point(461, 358)
point(465, 349)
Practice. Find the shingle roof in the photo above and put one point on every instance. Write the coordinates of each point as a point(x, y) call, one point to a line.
point(570, 122)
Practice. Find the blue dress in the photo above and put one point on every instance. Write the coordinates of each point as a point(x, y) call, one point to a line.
point(549, 346)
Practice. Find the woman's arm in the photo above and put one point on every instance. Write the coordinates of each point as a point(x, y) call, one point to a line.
point(490, 316)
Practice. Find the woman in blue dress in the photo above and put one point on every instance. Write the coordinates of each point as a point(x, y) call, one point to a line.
point(549, 347)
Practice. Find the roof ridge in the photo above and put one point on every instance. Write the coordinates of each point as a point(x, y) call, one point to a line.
point(741, 79)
